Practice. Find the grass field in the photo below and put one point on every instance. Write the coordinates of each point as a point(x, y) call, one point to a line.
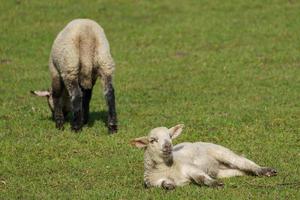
point(228, 70)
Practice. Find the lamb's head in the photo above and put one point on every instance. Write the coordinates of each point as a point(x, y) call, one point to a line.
point(158, 143)
point(47, 94)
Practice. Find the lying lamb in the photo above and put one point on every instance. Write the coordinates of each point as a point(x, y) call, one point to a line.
point(79, 55)
point(167, 166)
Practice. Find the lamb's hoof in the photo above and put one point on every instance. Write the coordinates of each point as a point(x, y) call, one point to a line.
point(266, 171)
point(112, 129)
point(146, 185)
point(167, 186)
point(217, 184)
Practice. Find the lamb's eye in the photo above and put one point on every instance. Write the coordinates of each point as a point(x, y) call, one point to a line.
point(152, 140)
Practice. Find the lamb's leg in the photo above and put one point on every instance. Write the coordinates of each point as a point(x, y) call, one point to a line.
point(76, 103)
point(165, 183)
point(87, 94)
point(57, 89)
point(235, 161)
point(201, 178)
point(204, 179)
point(110, 100)
point(225, 173)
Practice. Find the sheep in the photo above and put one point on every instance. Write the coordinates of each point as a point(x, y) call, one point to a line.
point(202, 163)
point(80, 53)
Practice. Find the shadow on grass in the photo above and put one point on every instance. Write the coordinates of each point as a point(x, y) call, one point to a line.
point(97, 116)
point(93, 117)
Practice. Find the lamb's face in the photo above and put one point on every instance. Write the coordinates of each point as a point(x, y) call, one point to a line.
point(159, 141)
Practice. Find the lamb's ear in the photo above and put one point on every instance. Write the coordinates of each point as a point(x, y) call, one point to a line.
point(141, 142)
point(40, 93)
point(176, 131)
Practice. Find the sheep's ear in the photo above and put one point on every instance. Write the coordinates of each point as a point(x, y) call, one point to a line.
point(176, 131)
point(40, 93)
point(141, 142)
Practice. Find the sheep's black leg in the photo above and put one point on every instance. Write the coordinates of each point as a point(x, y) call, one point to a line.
point(87, 94)
point(110, 100)
point(58, 114)
point(57, 103)
point(76, 102)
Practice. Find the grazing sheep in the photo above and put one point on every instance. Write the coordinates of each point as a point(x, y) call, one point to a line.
point(200, 162)
point(79, 55)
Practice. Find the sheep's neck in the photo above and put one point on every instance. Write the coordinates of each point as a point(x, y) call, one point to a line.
point(156, 166)
point(151, 163)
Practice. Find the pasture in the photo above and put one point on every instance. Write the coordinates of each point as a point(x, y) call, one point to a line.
point(228, 70)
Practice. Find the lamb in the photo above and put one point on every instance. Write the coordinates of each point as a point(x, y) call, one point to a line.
point(80, 53)
point(202, 163)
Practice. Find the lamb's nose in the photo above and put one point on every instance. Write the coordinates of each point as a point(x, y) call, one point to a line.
point(168, 146)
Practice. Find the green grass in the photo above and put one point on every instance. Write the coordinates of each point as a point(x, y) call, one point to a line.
point(228, 70)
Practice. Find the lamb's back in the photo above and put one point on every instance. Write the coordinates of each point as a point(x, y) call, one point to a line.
point(197, 154)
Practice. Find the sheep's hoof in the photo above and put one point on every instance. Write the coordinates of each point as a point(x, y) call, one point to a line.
point(59, 124)
point(112, 129)
point(167, 186)
point(60, 127)
point(76, 130)
point(76, 127)
point(266, 171)
point(86, 118)
point(85, 121)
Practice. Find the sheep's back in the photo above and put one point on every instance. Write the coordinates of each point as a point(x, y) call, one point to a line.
point(80, 47)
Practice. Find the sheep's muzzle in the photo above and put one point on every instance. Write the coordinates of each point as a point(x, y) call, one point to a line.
point(167, 149)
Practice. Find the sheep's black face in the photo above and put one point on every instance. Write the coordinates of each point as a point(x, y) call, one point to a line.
point(66, 108)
